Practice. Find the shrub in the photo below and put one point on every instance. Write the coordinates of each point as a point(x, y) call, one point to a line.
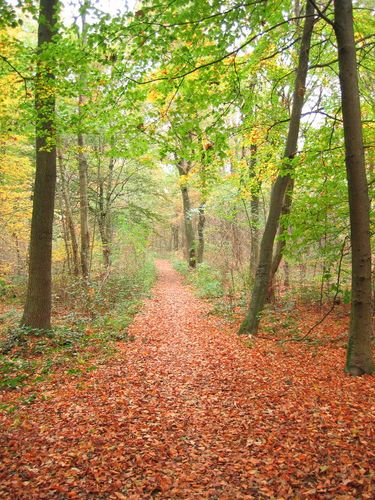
point(204, 277)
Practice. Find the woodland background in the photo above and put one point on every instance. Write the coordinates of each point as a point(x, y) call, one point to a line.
point(171, 126)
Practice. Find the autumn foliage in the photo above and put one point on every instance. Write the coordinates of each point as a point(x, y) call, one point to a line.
point(190, 410)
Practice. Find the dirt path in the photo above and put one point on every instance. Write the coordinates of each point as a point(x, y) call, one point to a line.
point(189, 411)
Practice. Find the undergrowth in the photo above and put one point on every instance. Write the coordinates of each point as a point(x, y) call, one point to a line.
point(88, 322)
point(226, 297)
point(205, 278)
point(287, 317)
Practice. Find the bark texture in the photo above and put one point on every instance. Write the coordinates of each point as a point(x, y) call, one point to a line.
point(262, 277)
point(359, 352)
point(83, 167)
point(201, 209)
point(200, 231)
point(105, 214)
point(83, 204)
point(37, 311)
point(68, 213)
point(188, 223)
point(174, 237)
point(280, 244)
point(254, 210)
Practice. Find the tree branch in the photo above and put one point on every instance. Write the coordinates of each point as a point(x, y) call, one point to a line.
point(219, 59)
point(24, 78)
point(321, 12)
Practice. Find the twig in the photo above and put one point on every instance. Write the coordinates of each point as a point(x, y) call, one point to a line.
point(321, 12)
point(300, 339)
point(219, 59)
point(24, 78)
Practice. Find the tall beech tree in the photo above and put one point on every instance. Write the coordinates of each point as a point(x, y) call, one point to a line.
point(37, 311)
point(68, 214)
point(105, 198)
point(280, 244)
point(202, 205)
point(82, 160)
point(183, 169)
point(254, 211)
point(359, 353)
point(279, 189)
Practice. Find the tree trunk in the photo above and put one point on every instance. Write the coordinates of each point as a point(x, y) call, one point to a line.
point(359, 352)
point(103, 215)
point(105, 242)
point(69, 215)
point(254, 210)
point(104, 235)
point(286, 274)
point(108, 221)
point(37, 311)
point(175, 242)
point(83, 202)
point(190, 240)
point(204, 193)
point(83, 167)
point(20, 265)
point(201, 223)
point(65, 233)
point(259, 293)
point(189, 231)
point(280, 245)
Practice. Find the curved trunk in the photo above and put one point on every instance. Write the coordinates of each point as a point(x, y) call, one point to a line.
point(69, 216)
point(254, 210)
point(280, 244)
point(259, 293)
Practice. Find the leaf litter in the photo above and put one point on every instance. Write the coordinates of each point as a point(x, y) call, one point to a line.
point(189, 410)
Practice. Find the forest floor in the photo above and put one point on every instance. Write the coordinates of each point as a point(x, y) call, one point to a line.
point(190, 410)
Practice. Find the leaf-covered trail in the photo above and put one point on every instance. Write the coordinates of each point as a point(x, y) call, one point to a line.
point(188, 410)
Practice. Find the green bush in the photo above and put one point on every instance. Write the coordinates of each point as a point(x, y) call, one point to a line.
point(204, 277)
point(208, 282)
point(7, 289)
point(98, 316)
point(182, 267)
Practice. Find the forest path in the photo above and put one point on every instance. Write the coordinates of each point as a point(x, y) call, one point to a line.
point(187, 410)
